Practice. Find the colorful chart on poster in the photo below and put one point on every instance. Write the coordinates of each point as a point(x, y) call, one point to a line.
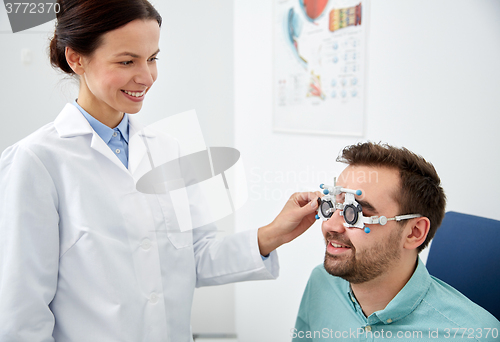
point(319, 66)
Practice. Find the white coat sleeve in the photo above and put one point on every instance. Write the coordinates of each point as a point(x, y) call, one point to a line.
point(231, 259)
point(29, 247)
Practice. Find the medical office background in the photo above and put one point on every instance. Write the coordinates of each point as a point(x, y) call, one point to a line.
point(432, 85)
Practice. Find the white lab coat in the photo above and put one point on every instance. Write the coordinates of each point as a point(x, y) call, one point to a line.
point(84, 256)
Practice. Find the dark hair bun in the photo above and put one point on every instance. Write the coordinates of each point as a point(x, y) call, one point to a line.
point(58, 56)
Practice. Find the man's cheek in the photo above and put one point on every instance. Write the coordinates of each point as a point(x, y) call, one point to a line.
point(323, 230)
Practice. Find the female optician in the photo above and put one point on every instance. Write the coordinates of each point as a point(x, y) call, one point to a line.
point(82, 257)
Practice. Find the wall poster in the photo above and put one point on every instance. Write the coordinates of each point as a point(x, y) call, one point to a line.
point(319, 66)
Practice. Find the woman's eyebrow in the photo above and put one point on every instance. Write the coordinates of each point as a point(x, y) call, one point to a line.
point(133, 55)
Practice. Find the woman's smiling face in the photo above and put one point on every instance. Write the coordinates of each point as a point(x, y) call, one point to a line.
point(116, 77)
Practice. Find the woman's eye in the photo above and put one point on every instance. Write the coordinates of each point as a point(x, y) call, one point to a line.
point(126, 63)
point(154, 59)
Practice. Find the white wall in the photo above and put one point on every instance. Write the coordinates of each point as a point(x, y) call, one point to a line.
point(433, 87)
point(31, 94)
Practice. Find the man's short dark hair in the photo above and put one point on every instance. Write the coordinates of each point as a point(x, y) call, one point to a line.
point(421, 191)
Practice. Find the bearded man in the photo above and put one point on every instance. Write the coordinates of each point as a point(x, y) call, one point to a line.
point(373, 286)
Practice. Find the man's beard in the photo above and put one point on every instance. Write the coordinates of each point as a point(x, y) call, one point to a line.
point(364, 265)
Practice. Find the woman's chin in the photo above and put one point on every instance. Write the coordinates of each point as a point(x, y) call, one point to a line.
point(132, 109)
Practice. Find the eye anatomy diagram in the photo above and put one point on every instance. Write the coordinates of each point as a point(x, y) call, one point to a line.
point(319, 66)
point(343, 17)
point(315, 87)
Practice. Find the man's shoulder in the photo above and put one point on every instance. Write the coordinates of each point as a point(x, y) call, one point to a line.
point(320, 277)
point(325, 297)
point(447, 304)
point(319, 273)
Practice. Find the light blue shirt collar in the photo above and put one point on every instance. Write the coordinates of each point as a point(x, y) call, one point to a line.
point(101, 129)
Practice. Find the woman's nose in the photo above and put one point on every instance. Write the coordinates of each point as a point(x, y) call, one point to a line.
point(145, 76)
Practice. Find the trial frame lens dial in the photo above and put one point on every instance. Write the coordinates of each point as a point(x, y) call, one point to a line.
point(351, 213)
point(327, 209)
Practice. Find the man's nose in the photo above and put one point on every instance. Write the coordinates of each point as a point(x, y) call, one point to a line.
point(335, 223)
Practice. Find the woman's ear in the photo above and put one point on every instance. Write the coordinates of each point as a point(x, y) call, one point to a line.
point(75, 61)
point(419, 229)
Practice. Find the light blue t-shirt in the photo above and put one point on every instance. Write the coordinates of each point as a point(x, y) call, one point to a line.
point(116, 138)
point(426, 309)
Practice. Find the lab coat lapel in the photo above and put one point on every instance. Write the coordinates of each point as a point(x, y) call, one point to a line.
point(100, 146)
point(139, 161)
point(71, 123)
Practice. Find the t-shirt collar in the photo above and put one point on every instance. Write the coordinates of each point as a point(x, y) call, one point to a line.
point(405, 301)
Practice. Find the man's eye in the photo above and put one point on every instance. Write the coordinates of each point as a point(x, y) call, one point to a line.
point(126, 63)
point(154, 59)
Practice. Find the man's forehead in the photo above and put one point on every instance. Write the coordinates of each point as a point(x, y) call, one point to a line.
point(358, 175)
point(372, 181)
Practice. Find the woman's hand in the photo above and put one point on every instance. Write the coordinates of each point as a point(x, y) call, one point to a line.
point(297, 216)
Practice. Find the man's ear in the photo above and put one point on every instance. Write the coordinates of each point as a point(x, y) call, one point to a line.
point(75, 61)
point(419, 229)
